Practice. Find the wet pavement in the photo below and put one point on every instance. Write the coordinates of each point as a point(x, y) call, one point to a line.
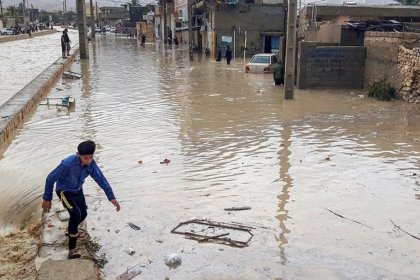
point(326, 174)
point(21, 61)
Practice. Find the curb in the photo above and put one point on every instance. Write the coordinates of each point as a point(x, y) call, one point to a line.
point(20, 106)
point(11, 38)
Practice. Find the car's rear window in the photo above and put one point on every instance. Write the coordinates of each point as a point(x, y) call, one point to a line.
point(260, 59)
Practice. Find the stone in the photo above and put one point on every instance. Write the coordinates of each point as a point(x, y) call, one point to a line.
point(64, 216)
point(65, 269)
point(173, 260)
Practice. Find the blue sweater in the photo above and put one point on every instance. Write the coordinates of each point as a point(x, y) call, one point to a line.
point(70, 176)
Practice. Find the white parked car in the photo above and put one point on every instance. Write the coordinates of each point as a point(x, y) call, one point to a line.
point(7, 31)
point(260, 63)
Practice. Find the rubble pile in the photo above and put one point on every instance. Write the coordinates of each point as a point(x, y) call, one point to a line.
point(409, 67)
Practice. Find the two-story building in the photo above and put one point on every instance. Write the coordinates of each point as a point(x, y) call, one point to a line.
point(165, 19)
point(258, 24)
point(113, 15)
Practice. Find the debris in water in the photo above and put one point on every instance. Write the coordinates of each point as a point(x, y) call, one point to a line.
point(242, 208)
point(71, 75)
point(130, 251)
point(140, 162)
point(133, 226)
point(398, 227)
point(217, 232)
point(212, 237)
point(165, 161)
point(327, 158)
point(130, 273)
point(173, 260)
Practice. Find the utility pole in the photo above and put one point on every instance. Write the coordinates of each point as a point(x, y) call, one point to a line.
point(81, 24)
point(92, 20)
point(1, 11)
point(165, 30)
point(97, 16)
point(23, 11)
point(289, 79)
point(65, 13)
point(190, 36)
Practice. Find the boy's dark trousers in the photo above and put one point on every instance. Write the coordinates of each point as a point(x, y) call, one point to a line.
point(75, 203)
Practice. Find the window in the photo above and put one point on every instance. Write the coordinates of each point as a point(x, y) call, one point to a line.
point(260, 59)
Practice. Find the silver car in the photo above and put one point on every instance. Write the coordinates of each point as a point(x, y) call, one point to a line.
point(260, 63)
point(7, 31)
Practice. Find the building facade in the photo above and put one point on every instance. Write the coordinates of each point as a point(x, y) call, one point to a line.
point(247, 26)
point(113, 15)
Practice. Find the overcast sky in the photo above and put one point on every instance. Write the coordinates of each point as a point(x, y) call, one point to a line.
point(71, 4)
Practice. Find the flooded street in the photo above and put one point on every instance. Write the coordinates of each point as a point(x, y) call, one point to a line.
point(326, 174)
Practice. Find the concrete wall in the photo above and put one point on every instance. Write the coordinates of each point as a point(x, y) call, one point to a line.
point(382, 49)
point(253, 18)
point(330, 66)
point(334, 33)
point(409, 66)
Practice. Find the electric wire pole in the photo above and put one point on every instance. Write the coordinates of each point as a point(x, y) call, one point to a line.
point(1, 11)
point(81, 24)
point(190, 39)
point(289, 79)
point(92, 20)
point(97, 14)
point(165, 28)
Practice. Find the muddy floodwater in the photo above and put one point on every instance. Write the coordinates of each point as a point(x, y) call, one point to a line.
point(333, 179)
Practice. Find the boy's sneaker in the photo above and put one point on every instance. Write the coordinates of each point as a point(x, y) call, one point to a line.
point(74, 254)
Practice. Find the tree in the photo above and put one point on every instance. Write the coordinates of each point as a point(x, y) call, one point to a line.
point(133, 3)
point(12, 10)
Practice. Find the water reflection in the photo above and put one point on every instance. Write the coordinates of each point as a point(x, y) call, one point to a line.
point(284, 196)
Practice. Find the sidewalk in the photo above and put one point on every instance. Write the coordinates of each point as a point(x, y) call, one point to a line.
point(21, 61)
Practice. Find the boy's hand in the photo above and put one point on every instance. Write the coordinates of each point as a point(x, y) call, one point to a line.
point(46, 205)
point(116, 204)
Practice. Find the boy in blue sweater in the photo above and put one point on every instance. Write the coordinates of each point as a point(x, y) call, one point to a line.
point(69, 177)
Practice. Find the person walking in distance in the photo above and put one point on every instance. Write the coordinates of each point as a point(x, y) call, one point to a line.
point(63, 45)
point(67, 41)
point(69, 177)
point(219, 54)
point(143, 40)
point(228, 54)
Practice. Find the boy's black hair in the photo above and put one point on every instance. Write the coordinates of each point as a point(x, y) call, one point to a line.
point(86, 148)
